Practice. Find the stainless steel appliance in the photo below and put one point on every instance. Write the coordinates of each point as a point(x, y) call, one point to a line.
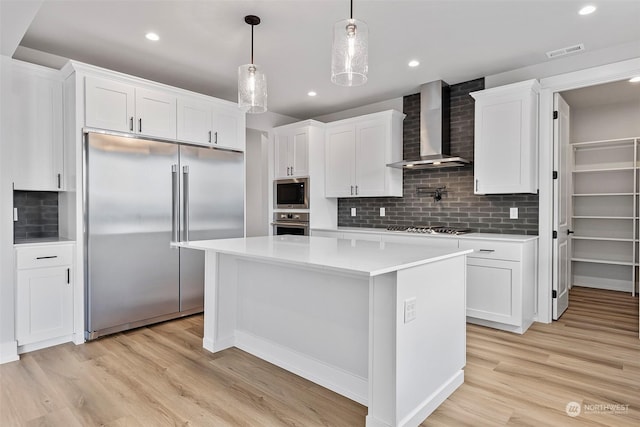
point(292, 193)
point(429, 230)
point(140, 196)
point(296, 223)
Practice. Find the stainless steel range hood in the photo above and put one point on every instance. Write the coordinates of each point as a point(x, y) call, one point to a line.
point(434, 130)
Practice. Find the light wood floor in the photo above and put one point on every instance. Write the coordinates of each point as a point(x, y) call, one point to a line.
point(161, 376)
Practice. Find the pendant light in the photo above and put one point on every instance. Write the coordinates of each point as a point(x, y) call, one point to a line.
point(349, 56)
point(252, 82)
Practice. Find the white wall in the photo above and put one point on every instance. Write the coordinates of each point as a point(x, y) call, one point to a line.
point(257, 181)
point(390, 104)
point(267, 121)
point(602, 122)
point(566, 64)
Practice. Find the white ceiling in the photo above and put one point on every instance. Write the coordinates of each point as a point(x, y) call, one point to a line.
point(203, 42)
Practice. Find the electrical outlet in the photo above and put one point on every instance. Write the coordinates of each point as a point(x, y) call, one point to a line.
point(353, 211)
point(513, 213)
point(409, 309)
point(382, 212)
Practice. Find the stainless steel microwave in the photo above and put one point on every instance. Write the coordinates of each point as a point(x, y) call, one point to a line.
point(292, 193)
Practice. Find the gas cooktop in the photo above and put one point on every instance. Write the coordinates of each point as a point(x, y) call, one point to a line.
point(429, 230)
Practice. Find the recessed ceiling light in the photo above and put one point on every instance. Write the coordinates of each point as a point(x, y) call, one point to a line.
point(152, 36)
point(635, 79)
point(414, 63)
point(587, 10)
point(311, 93)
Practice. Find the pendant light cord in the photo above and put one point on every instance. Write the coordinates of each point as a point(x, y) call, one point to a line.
point(252, 43)
point(351, 15)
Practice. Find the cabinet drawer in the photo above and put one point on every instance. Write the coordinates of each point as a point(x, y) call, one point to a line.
point(493, 250)
point(43, 256)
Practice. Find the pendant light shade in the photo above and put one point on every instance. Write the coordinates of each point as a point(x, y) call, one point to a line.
point(350, 52)
point(252, 82)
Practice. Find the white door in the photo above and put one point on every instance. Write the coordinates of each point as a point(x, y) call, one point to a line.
point(281, 153)
point(156, 112)
point(340, 162)
point(561, 208)
point(371, 138)
point(226, 128)
point(194, 121)
point(300, 155)
point(109, 105)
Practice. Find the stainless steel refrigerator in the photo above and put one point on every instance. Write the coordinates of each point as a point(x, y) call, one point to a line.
point(140, 196)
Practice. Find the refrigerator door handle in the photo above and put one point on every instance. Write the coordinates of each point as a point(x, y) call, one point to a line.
point(175, 209)
point(185, 206)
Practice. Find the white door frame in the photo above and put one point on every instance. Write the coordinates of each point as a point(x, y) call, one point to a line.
point(574, 80)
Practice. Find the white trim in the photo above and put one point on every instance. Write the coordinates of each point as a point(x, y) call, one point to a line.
point(26, 348)
point(574, 80)
point(9, 352)
point(335, 379)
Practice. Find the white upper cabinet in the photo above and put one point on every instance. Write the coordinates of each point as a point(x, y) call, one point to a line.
point(292, 152)
point(109, 105)
point(506, 139)
point(229, 127)
point(357, 153)
point(32, 104)
point(115, 105)
point(156, 113)
point(207, 123)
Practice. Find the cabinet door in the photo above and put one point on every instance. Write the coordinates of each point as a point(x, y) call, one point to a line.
point(228, 128)
point(498, 148)
point(371, 168)
point(36, 130)
point(109, 104)
point(195, 121)
point(340, 162)
point(494, 290)
point(299, 153)
point(156, 113)
point(282, 162)
point(44, 308)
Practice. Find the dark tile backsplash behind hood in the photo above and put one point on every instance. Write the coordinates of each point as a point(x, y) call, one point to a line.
point(459, 207)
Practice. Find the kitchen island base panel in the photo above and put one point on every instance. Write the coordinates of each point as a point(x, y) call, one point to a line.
point(307, 320)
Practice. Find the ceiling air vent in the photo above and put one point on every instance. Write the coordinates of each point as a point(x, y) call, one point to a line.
point(565, 51)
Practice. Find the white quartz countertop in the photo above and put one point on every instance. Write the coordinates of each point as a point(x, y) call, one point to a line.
point(468, 236)
point(356, 256)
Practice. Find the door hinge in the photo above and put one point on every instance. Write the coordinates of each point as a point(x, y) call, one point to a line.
point(555, 115)
point(554, 294)
point(555, 174)
point(555, 234)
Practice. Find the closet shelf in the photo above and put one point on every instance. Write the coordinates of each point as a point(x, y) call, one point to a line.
point(603, 194)
point(606, 239)
point(601, 217)
point(604, 261)
point(625, 168)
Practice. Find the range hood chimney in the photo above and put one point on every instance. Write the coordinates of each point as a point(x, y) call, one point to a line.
point(434, 130)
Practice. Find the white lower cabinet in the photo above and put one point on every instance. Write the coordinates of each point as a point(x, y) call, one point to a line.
point(501, 284)
point(44, 297)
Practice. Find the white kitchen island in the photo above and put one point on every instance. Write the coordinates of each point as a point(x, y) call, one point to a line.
point(380, 323)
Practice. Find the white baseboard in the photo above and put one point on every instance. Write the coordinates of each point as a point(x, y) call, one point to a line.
point(335, 379)
point(501, 326)
point(44, 344)
point(9, 352)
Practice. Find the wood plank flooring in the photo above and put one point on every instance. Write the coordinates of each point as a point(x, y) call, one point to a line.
point(161, 376)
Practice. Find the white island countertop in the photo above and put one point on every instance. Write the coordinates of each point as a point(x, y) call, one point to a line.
point(356, 256)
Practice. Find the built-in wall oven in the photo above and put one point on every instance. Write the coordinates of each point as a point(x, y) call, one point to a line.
point(292, 193)
point(295, 223)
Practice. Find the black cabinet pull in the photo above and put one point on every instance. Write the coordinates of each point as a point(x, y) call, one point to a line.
point(139, 125)
point(68, 276)
point(59, 178)
point(131, 124)
point(47, 257)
